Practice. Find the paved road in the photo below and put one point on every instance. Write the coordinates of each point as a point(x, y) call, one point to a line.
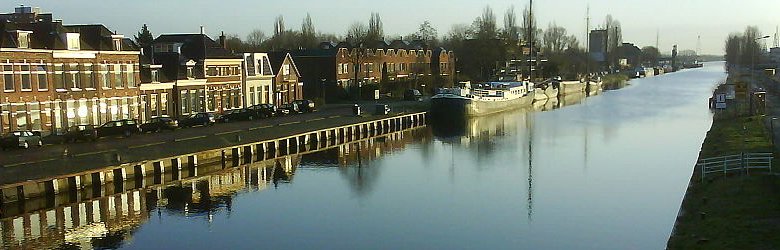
point(35, 163)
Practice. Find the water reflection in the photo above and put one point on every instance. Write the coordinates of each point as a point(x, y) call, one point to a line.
point(110, 222)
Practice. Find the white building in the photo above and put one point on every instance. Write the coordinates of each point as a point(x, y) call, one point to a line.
point(258, 79)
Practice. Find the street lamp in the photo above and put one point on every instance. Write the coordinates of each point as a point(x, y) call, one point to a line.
point(753, 61)
point(772, 131)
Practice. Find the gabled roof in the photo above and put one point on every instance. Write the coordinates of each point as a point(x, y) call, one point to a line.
point(197, 46)
point(277, 59)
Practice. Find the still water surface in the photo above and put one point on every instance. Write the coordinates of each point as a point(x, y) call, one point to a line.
point(607, 173)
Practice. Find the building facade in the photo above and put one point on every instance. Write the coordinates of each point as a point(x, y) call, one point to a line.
point(287, 79)
point(258, 85)
point(191, 73)
point(57, 76)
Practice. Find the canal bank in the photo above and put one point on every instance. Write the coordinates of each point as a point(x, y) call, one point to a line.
point(42, 175)
point(734, 209)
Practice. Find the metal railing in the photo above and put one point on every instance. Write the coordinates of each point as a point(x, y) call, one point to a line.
point(731, 163)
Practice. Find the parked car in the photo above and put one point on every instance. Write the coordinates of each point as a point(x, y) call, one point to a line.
point(21, 139)
point(199, 119)
point(412, 95)
point(125, 127)
point(306, 106)
point(265, 110)
point(237, 115)
point(289, 108)
point(80, 133)
point(158, 124)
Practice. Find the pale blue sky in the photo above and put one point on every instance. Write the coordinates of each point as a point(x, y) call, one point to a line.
point(679, 21)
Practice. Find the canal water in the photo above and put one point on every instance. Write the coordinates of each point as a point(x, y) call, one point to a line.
point(606, 172)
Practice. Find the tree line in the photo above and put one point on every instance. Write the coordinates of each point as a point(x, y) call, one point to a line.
point(480, 47)
point(744, 48)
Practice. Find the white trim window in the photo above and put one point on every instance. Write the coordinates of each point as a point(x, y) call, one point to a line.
point(117, 72)
point(26, 78)
point(105, 82)
point(130, 75)
point(155, 76)
point(72, 77)
point(59, 78)
point(8, 78)
point(73, 40)
point(41, 77)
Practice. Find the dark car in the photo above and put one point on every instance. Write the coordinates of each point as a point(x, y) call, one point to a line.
point(21, 139)
point(81, 133)
point(306, 106)
point(125, 127)
point(289, 108)
point(236, 115)
point(265, 110)
point(199, 119)
point(158, 124)
point(412, 95)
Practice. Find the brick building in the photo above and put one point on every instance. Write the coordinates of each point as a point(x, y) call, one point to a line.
point(287, 84)
point(190, 73)
point(56, 76)
point(392, 65)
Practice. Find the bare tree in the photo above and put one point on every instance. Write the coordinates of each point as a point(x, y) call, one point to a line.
point(308, 34)
point(255, 38)
point(375, 28)
point(511, 31)
point(529, 22)
point(485, 25)
point(555, 39)
point(427, 32)
point(357, 33)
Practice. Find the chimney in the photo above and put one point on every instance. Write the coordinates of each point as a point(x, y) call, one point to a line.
point(222, 40)
point(202, 30)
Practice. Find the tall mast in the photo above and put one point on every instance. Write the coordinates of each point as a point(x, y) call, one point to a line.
point(530, 40)
point(587, 46)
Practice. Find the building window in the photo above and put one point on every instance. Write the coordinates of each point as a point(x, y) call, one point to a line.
point(190, 75)
point(74, 42)
point(87, 80)
point(212, 71)
point(236, 98)
point(24, 40)
point(184, 102)
point(8, 77)
point(72, 77)
point(163, 103)
point(26, 78)
point(155, 76)
point(117, 44)
point(59, 79)
point(104, 77)
point(153, 105)
point(117, 72)
point(130, 76)
point(43, 83)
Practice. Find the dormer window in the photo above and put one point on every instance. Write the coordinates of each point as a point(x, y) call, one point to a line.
point(117, 42)
point(73, 41)
point(23, 38)
point(190, 65)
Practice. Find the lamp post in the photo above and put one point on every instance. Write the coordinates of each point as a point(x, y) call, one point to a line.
point(772, 131)
point(753, 61)
point(322, 89)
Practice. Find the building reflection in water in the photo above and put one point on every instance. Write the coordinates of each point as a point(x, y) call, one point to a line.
point(73, 220)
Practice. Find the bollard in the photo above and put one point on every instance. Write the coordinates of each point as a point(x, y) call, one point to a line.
point(703, 215)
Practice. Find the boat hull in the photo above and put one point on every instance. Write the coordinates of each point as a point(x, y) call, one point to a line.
point(571, 88)
point(466, 107)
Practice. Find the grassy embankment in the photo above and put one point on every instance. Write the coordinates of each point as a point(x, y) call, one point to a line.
point(614, 81)
point(735, 212)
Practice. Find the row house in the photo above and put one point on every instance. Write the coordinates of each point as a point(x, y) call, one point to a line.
point(376, 62)
point(55, 76)
point(190, 73)
point(287, 79)
point(258, 79)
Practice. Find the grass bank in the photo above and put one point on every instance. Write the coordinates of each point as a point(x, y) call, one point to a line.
point(735, 212)
point(614, 81)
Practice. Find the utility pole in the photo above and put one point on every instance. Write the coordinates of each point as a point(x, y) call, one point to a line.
point(530, 40)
